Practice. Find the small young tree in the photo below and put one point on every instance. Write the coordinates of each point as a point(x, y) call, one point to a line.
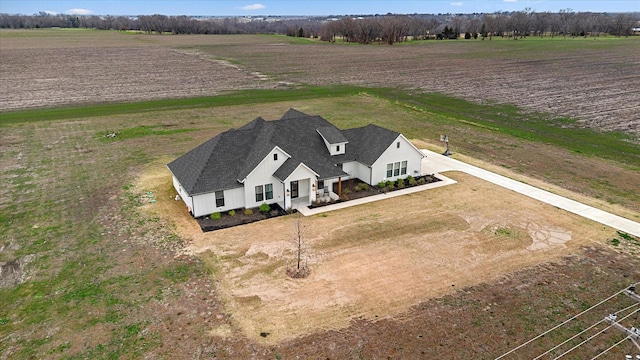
point(301, 270)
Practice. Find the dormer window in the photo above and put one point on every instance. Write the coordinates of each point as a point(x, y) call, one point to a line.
point(398, 145)
point(275, 157)
point(333, 139)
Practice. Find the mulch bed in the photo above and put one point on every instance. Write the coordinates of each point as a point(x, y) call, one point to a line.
point(240, 218)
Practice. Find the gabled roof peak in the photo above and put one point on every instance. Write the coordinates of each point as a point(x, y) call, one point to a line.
point(253, 124)
point(293, 114)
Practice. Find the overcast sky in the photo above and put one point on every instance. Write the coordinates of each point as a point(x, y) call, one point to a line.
point(304, 7)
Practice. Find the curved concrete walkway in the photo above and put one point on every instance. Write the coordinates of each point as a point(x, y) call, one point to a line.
point(438, 163)
point(443, 182)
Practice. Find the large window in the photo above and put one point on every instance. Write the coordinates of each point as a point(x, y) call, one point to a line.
point(396, 169)
point(268, 191)
point(264, 192)
point(219, 198)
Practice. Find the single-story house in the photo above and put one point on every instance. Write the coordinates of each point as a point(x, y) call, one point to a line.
point(292, 162)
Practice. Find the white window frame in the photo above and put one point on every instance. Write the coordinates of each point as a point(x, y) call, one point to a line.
point(268, 194)
point(219, 198)
point(396, 168)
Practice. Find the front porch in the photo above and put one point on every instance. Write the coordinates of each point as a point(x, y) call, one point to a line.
point(438, 181)
point(299, 202)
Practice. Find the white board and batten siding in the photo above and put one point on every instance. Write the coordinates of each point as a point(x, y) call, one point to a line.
point(262, 175)
point(182, 192)
point(306, 179)
point(356, 170)
point(205, 204)
point(335, 149)
point(394, 153)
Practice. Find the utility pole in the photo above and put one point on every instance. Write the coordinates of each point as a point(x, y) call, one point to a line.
point(633, 334)
point(630, 292)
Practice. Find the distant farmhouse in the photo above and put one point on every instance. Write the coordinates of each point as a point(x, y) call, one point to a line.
point(292, 162)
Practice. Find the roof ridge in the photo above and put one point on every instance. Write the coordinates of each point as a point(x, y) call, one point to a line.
point(209, 155)
point(293, 114)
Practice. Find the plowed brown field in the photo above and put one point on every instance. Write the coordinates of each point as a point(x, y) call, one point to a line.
point(592, 80)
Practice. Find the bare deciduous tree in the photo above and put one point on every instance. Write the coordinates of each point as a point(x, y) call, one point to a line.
point(474, 26)
point(540, 23)
point(393, 28)
point(519, 24)
point(565, 17)
point(458, 24)
point(301, 270)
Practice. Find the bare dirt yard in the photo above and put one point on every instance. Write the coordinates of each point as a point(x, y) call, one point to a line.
point(375, 264)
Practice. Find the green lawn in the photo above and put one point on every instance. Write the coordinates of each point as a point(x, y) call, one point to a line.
point(504, 119)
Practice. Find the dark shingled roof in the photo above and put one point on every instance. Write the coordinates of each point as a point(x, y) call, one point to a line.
point(332, 135)
point(226, 159)
point(367, 143)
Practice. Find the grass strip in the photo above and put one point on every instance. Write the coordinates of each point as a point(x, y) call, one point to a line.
point(502, 118)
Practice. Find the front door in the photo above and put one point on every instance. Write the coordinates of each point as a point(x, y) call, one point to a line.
point(294, 189)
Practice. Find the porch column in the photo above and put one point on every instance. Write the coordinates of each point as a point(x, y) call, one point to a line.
point(340, 186)
point(313, 192)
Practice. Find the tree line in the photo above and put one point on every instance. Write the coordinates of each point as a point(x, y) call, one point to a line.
point(158, 24)
point(388, 29)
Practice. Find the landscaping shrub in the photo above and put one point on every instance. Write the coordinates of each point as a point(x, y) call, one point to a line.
point(421, 181)
point(232, 213)
point(215, 216)
point(400, 183)
point(248, 212)
point(362, 187)
point(411, 180)
point(265, 208)
point(381, 184)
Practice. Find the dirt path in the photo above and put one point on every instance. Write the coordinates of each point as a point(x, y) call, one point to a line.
point(376, 260)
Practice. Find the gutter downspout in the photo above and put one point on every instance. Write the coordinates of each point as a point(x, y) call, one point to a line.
point(370, 176)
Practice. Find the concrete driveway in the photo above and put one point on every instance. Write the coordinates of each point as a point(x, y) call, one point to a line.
point(436, 163)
